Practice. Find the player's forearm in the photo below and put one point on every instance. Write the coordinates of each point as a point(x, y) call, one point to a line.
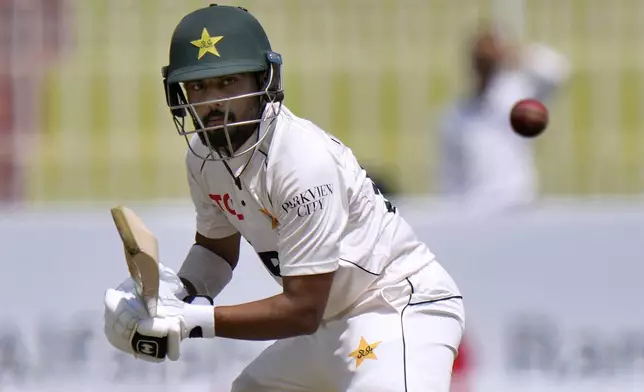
point(272, 318)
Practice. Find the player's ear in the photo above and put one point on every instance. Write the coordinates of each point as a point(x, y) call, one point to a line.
point(273, 77)
point(173, 94)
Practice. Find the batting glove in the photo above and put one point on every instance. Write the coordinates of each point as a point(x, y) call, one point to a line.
point(129, 328)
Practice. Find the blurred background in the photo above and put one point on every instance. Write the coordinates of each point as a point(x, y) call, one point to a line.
point(555, 285)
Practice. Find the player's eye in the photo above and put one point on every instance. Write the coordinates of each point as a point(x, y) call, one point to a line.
point(196, 86)
point(228, 81)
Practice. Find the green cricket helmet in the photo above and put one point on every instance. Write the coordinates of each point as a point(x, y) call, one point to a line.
point(212, 42)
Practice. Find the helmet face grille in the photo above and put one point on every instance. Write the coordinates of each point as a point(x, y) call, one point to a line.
point(219, 139)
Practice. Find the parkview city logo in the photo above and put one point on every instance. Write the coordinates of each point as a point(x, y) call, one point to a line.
point(309, 201)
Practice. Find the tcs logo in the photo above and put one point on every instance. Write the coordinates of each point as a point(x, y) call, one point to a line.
point(225, 204)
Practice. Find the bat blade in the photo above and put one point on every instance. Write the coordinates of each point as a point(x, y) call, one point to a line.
point(141, 254)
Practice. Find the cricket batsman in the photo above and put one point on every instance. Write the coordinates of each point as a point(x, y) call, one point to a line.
point(365, 305)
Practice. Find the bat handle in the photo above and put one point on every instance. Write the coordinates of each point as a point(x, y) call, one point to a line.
point(151, 306)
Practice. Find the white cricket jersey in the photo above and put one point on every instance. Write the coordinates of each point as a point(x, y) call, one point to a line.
point(484, 162)
point(307, 207)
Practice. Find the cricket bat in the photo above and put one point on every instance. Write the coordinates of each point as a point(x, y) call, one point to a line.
point(141, 254)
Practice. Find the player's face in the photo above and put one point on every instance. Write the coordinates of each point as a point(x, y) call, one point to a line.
point(486, 55)
point(214, 114)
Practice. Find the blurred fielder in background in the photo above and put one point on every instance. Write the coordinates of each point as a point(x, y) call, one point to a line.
point(484, 163)
point(365, 306)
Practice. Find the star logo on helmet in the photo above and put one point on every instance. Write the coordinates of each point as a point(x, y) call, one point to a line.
point(206, 44)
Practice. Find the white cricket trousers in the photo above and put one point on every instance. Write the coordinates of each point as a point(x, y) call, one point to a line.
point(401, 339)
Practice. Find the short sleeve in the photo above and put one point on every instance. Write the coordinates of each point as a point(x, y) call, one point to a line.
point(211, 221)
point(312, 211)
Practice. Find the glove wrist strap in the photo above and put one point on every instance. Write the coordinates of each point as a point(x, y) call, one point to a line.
point(198, 321)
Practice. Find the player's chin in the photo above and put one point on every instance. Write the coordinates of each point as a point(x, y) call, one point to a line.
point(238, 136)
point(217, 137)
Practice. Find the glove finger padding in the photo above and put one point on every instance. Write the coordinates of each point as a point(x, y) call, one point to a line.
point(123, 312)
point(127, 286)
point(170, 282)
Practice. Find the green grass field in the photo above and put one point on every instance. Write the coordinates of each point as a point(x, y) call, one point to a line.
point(374, 73)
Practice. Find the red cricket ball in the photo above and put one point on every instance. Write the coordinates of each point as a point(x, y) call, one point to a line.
point(529, 117)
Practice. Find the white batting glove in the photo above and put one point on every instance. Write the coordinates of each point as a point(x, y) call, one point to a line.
point(129, 328)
